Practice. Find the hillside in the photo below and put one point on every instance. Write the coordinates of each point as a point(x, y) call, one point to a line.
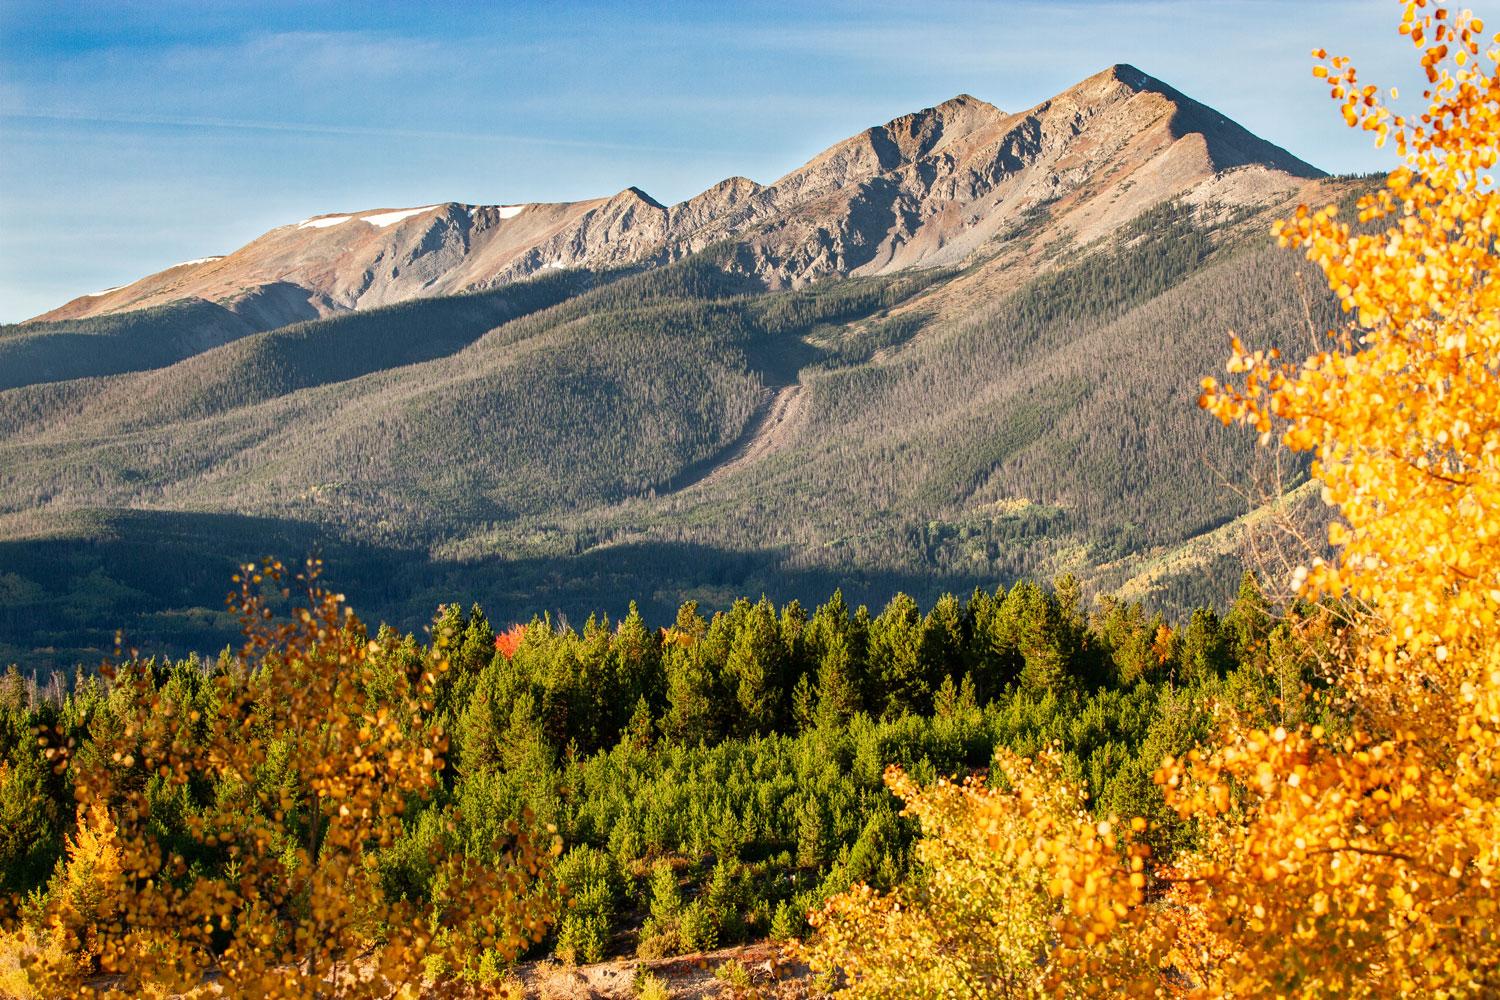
point(952, 350)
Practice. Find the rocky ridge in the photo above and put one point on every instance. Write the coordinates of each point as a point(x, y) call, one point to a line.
point(938, 187)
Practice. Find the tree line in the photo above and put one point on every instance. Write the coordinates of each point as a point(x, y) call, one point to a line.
point(712, 780)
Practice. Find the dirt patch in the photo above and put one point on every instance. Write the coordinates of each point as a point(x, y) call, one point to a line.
point(771, 431)
point(771, 976)
point(770, 428)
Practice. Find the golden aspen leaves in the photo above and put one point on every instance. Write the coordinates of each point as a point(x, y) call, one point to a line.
point(281, 898)
point(1353, 858)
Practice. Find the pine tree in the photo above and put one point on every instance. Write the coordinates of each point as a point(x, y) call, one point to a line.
point(1205, 650)
point(895, 659)
point(692, 715)
point(754, 670)
point(838, 689)
point(944, 641)
point(1249, 621)
point(634, 667)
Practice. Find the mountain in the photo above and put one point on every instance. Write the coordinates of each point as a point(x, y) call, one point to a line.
point(951, 350)
point(924, 189)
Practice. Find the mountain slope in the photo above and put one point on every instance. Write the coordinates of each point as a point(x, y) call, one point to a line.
point(954, 349)
point(335, 263)
point(110, 343)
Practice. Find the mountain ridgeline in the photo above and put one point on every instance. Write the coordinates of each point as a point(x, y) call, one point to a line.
point(951, 351)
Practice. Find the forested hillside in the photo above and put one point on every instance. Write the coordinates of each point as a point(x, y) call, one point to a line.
point(675, 432)
point(952, 350)
point(32, 353)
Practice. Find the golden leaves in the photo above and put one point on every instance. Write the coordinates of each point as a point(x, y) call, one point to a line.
point(1023, 892)
point(1361, 862)
point(1384, 833)
point(1405, 416)
point(282, 898)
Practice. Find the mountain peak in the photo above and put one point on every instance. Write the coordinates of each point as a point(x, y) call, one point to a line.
point(640, 195)
point(1228, 143)
point(912, 136)
point(1133, 78)
point(959, 110)
point(736, 183)
point(962, 102)
point(1113, 84)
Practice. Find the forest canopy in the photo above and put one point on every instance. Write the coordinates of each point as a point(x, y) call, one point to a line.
point(712, 780)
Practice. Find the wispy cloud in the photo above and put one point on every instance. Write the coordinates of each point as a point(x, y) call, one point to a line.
point(334, 129)
point(341, 53)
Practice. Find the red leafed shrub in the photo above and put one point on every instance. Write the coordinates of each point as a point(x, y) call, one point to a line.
point(509, 641)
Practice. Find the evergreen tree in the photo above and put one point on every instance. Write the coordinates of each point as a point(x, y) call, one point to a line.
point(895, 659)
point(804, 703)
point(1205, 652)
point(754, 670)
point(1249, 621)
point(944, 641)
point(1031, 623)
point(838, 688)
point(692, 715)
point(635, 667)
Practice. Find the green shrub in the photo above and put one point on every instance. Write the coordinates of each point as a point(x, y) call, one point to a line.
point(698, 927)
point(588, 878)
point(786, 923)
point(650, 987)
point(732, 972)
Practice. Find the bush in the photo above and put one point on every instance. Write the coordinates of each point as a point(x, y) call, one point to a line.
point(733, 973)
point(698, 927)
point(588, 878)
point(650, 987)
point(786, 922)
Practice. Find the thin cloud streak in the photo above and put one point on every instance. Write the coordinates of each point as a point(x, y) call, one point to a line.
point(316, 128)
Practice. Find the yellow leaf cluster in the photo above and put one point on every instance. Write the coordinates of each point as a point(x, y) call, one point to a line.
point(281, 897)
point(1358, 863)
point(1023, 892)
point(1384, 843)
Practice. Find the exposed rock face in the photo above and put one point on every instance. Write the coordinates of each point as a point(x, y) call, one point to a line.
point(933, 187)
point(930, 188)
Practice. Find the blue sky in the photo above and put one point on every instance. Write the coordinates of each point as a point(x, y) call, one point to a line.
point(137, 134)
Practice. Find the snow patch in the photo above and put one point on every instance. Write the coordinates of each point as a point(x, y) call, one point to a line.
point(559, 265)
point(511, 211)
point(104, 291)
point(384, 219)
point(198, 260)
point(323, 223)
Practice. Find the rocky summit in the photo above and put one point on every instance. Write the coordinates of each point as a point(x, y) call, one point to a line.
point(935, 187)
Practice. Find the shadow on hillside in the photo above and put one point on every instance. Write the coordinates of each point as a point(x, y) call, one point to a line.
point(162, 577)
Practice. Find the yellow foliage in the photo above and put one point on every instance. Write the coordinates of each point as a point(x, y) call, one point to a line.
point(1366, 865)
point(27, 948)
point(1022, 892)
point(283, 899)
point(1358, 864)
point(86, 897)
point(92, 884)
